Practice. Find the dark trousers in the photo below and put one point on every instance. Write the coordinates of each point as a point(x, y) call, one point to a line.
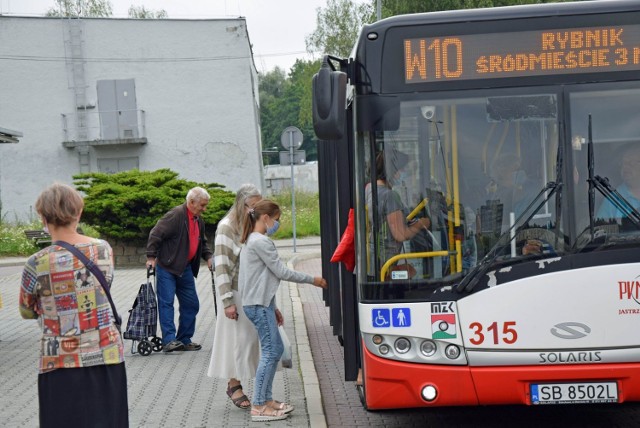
point(183, 287)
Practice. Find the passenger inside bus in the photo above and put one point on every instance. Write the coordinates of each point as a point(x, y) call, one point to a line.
point(391, 215)
point(510, 191)
point(510, 187)
point(630, 187)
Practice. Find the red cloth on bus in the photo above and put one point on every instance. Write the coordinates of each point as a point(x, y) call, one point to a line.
point(346, 250)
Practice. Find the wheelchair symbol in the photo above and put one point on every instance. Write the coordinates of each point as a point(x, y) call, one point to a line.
point(380, 317)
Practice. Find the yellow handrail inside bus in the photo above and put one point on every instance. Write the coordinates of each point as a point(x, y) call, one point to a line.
point(417, 209)
point(392, 260)
point(455, 265)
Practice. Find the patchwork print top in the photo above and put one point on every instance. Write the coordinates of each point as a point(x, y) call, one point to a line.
point(73, 310)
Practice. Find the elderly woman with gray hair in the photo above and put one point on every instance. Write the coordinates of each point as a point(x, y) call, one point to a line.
point(236, 349)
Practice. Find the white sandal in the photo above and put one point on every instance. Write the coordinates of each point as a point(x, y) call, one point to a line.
point(258, 415)
point(279, 405)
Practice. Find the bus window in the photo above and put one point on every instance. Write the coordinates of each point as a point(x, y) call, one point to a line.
point(616, 145)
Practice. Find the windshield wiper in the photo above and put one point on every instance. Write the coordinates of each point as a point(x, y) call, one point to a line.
point(613, 196)
point(471, 280)
point(609, 192)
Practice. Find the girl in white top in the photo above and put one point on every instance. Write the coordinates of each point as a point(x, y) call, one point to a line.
point(261, 271)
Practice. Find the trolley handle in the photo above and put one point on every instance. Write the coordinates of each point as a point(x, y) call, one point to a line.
point(151, 271)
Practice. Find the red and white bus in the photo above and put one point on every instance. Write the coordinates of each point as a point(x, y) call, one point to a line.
point(516, 132)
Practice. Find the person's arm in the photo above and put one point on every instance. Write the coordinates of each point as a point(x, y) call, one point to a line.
point(225, 257)
point(159, 233)
point(400, 230)
point(266, 250)
point(108, 265)
point(27, 300)
point(206, 252)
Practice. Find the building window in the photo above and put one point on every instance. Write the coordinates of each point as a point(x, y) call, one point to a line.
point(113, 165)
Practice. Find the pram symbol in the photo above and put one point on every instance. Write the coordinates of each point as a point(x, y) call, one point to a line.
point(143, 320)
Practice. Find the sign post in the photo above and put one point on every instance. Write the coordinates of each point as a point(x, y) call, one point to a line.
point(291, 139)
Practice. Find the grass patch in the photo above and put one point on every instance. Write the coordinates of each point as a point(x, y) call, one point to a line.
point(307, 215)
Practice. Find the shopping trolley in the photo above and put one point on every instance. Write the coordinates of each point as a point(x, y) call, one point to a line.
point(143, 320)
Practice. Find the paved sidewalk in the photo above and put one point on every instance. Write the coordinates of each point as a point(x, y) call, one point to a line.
point(165, 390)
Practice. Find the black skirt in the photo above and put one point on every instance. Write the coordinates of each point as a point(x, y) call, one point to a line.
point(93, 396)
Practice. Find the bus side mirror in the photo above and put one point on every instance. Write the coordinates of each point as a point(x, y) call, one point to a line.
point(328, 104)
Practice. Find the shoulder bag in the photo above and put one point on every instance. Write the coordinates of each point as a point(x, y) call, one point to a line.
point(96, 272)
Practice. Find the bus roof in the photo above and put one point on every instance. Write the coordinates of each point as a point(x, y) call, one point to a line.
point(505, 12)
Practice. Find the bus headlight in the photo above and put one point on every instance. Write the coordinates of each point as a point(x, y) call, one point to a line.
point(402, 345)
point(452, 352)
point(384, 349)
point(428, 348)
point(376, 339)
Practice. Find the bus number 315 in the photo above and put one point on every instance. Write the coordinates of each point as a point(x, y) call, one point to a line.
point(506, 334)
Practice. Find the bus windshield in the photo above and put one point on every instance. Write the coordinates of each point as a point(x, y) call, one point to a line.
point(473, 179)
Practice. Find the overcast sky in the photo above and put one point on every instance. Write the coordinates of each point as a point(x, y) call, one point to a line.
point(277, 28)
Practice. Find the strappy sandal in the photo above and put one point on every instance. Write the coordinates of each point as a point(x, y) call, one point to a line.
point(278, 405)
point(238, 401)
point(267, 414)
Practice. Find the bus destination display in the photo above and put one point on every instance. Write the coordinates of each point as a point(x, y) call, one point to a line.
point(525, 53)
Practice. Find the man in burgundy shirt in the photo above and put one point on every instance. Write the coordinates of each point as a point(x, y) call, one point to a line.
point(176, 244)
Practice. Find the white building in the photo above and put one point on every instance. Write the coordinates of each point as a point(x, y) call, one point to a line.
point(115, 94)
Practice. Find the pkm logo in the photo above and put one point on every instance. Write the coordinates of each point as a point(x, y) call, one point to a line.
point(442, 308)
point(629, 290)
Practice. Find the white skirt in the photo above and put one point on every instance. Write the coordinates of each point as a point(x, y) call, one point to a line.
point(236, 348)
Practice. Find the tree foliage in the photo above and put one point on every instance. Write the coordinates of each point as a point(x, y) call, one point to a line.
point(140, 12)
point(286, 101)
point(81, 8)
point(99, 9)
point(337, 27)
point(126, 205)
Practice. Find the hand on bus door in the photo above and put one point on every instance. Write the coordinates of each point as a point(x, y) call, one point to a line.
point(320, 282)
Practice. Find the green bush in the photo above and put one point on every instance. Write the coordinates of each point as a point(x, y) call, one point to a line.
point(126, 205)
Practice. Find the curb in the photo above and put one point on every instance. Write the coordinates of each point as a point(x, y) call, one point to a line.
point(12, 261)
point(310, 381)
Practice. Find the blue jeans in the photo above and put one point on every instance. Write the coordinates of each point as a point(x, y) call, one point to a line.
point(271, 348)
point(184, 287)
